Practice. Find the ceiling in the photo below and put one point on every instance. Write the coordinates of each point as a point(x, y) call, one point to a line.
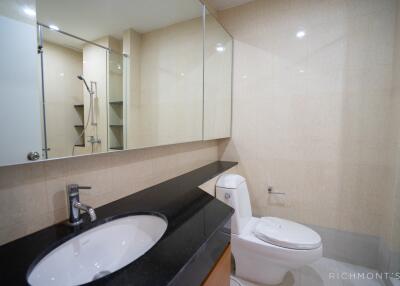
point(93, 19)
point(14, 9)
point(226, 4)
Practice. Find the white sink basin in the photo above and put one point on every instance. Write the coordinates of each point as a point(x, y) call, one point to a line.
point(98, 251)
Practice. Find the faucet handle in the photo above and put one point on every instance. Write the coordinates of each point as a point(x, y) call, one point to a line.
point(84, 187)
point(75, 206)
point(73, 189)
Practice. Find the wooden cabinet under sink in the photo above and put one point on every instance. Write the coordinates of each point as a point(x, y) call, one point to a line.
point(220, 274)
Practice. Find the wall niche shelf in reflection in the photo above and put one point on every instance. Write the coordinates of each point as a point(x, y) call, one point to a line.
point(117, 148)
point(116, 114)
point(79, 108)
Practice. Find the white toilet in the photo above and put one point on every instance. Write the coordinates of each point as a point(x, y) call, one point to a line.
point(264, 249)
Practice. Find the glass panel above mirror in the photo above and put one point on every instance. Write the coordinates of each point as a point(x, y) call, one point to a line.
point(108, 76)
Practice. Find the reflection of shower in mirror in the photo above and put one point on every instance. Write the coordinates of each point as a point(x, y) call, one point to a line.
point(91, 115)
point(82, 91)
point(84, 81)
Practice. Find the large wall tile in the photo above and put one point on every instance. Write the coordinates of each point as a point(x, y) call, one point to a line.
point(33, 196)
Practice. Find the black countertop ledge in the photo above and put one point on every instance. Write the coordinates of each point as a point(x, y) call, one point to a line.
point(194, 240)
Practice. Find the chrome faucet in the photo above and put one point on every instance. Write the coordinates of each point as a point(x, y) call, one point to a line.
point(75, 206)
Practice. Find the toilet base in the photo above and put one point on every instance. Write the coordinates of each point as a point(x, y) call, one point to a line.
point(260, 273)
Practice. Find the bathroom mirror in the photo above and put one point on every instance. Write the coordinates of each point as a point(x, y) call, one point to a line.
point(218, 58)
point(166, 77)
point(111, 75)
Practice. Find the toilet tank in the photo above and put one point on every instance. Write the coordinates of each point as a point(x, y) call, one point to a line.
point(232, 190)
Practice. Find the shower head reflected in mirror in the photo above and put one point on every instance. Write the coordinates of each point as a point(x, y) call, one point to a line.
point(84, 81)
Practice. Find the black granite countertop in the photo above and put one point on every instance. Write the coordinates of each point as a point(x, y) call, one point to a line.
point(194, 240)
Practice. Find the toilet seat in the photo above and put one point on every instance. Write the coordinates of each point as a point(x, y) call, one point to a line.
point(248, 242)
point(287, 234)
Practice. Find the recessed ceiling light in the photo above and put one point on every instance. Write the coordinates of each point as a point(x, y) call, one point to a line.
point(30, 12)
point(54, 27)
point(301, 34)
point(220, 48)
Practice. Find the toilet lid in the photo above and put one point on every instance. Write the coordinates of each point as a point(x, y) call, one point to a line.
point(286, 233)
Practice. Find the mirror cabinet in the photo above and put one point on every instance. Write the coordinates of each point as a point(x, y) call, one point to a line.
point(87, 77)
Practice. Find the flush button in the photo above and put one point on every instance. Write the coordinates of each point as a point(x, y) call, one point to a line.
point(227, 196)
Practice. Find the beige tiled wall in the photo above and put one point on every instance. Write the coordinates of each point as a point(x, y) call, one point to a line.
point(32, 196)
point(312, 115)
point(209, 186)
point(391, 226)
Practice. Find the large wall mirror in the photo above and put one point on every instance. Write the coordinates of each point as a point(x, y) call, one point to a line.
point(86, 77)
point(218, 52)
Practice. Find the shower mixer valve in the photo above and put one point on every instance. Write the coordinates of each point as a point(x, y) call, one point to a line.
point(93, 140)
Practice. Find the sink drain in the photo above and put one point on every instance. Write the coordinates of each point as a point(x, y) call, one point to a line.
point(100, 274)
